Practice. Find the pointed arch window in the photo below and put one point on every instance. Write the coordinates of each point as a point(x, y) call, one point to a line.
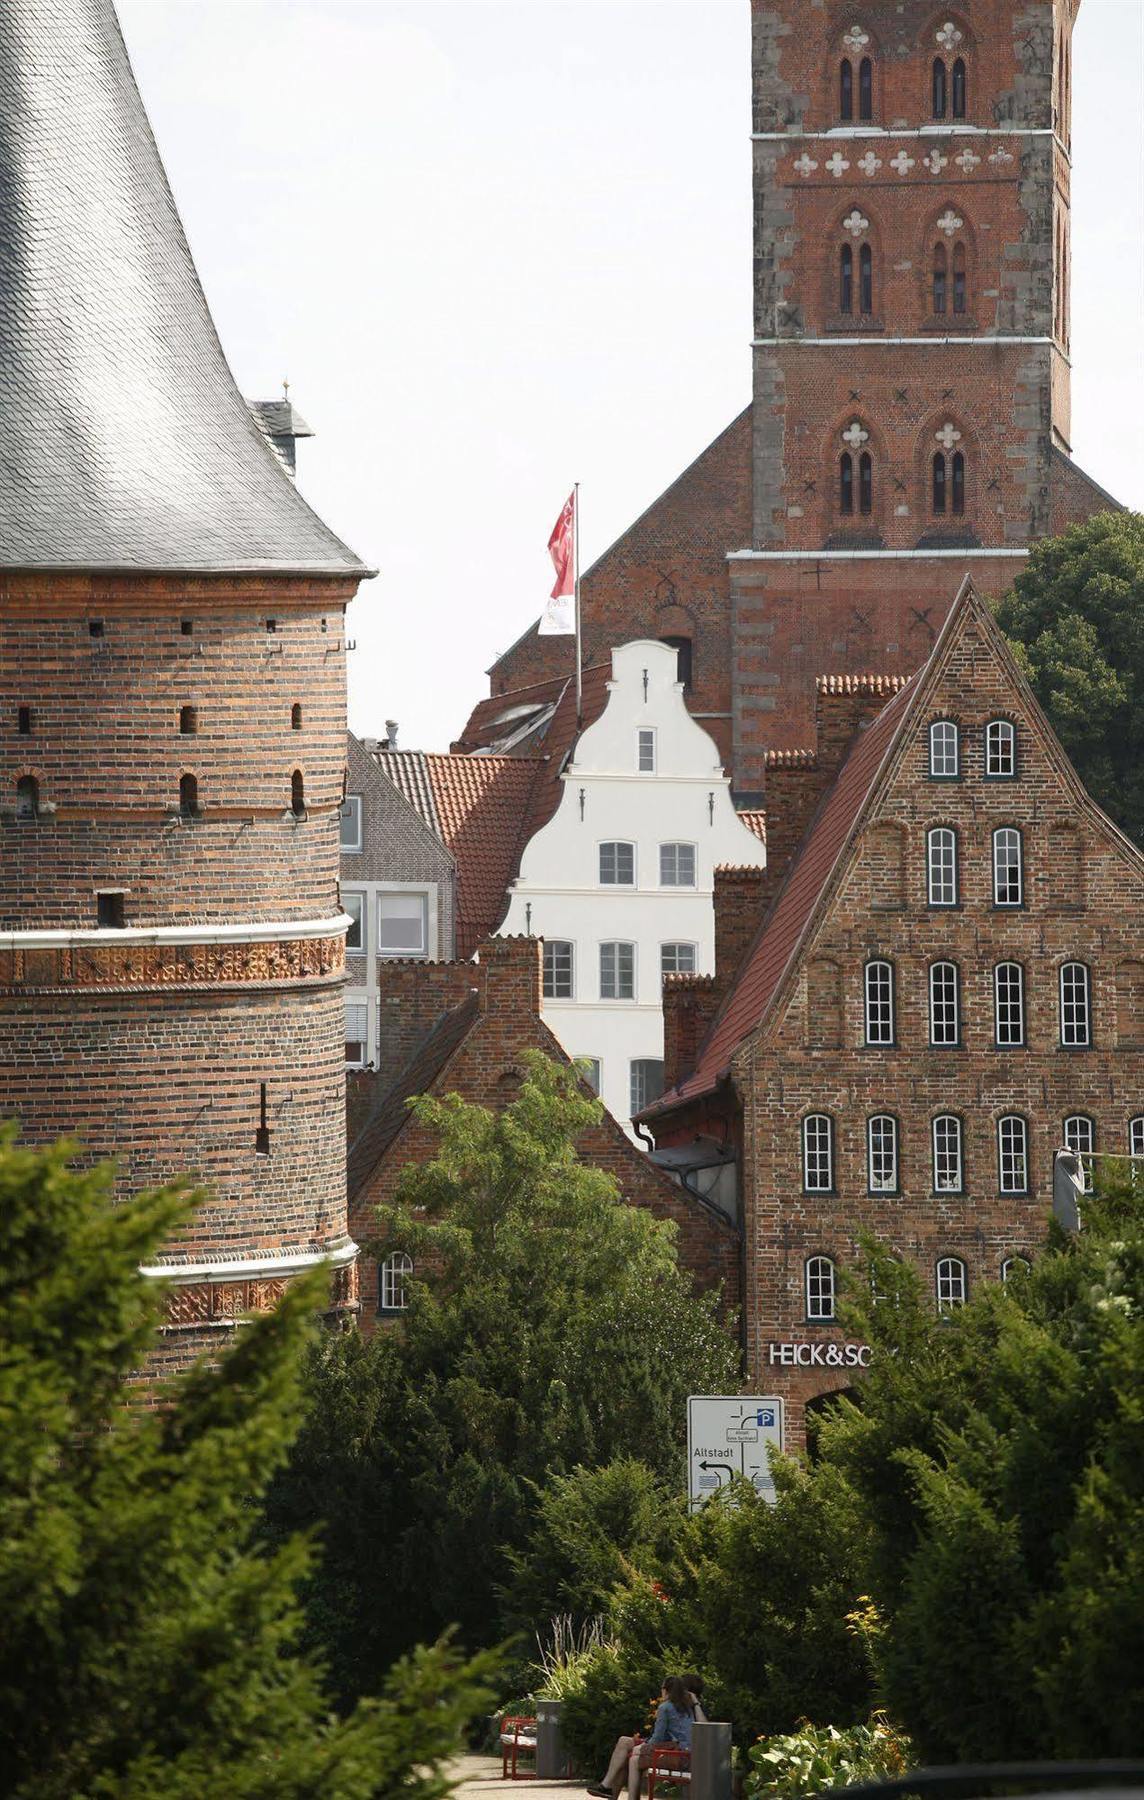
point(865, 281)
point(940, 279)
point(846, 90)
point(865, 484)
point(939, 473)
point(27, 797)
point(957, 89)
point(865, 89)
point(846, 484)
point(957, 497)
point(939, 88)
point(960, 290)
point(846, 280)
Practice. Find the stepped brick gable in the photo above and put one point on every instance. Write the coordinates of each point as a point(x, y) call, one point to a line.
point(948, 988)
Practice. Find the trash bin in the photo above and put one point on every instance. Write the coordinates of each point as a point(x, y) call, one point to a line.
point(710, 1761)
point(551, 1761)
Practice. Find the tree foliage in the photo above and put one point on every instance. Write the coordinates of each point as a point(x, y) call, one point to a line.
point(149, 1643)
point(1076, 617)
point(552, 1328)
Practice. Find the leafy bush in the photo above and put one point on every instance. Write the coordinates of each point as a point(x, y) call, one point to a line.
point(612, 1693)
point(815, 1758)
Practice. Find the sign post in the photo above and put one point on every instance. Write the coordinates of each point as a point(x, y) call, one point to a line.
point(729, 1435)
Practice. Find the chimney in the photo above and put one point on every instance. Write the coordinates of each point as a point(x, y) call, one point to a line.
point(690, 1002)
point(510, 975)
point(739, 903)
point(391, 734)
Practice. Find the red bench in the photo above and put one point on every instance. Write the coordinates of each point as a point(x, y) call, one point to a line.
point(670, 1766)
point(517, 1738)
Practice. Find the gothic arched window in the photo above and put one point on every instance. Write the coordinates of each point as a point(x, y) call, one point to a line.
point(866, 89)
point(939, 483)
point(27, 797)
point(846, 90)
point(865, 484)
point(188, 796)
point(959, 281)
point(939, 86)
point(957, 89)
point(846, 484)
point(865, 281)
point(846, 280)
point(940, 278)
point(958, 496)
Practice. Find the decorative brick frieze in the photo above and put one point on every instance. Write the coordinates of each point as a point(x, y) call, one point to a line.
point(142, 966)
point(225, 1303)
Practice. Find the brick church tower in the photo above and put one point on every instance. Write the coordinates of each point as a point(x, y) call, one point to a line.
point(910, 419)
point(172, 708)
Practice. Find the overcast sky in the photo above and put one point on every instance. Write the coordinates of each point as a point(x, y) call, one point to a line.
point(497, 248)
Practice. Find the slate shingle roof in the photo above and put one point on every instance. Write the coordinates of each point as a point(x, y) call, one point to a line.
point(124, 442)
point(390, 1109)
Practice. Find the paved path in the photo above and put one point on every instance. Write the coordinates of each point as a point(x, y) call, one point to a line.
point(480, 1779)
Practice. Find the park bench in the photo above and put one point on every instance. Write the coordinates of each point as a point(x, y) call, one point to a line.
point(517, 1739)
point(668, 1766)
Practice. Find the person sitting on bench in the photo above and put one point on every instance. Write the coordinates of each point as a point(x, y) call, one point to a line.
point(673, 1720)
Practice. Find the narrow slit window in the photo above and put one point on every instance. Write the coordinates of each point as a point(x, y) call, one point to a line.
point(645, 752)
point(846, 90)
point(27, 797)
point(865, 281)
point(939, 483)
point(960, 291)
point(957, 89)
point(940, 279)
point(865, 89)
point(188, 721)
point(24, 721)
point(188, 797)
point(298, 794)
point(295, 717)
point(846, 280)
point(865, 484)
point(846, 485)
point(938, 94)
point(958, 497)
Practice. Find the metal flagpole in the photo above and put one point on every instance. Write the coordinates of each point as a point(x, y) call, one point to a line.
point(576, 585)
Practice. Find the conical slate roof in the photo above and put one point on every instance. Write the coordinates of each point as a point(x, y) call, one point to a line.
point(124, 442)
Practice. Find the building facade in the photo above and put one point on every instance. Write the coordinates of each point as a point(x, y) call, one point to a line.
point(172, 689)
point(619, 881)
point(948, 988)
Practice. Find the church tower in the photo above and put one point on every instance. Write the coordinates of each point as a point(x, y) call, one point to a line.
point(172, 710)
point(911, 336)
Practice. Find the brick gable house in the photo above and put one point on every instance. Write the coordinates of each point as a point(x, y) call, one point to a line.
point(463, 1028)
point(948, 986)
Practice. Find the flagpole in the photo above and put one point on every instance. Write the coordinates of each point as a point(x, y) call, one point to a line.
point(576, 584)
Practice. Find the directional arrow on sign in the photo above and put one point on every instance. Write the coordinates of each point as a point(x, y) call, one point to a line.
point(720, 1469)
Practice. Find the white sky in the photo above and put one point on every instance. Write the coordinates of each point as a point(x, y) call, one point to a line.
point(498, 247)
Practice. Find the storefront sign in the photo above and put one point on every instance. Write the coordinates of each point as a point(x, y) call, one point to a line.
point(819, 1356)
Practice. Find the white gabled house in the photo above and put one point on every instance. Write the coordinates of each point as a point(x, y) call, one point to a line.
point(619, 882)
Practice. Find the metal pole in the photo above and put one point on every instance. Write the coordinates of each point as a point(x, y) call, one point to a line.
point(576, 582)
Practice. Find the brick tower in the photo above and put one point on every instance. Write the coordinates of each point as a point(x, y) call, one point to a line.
point(910, 420)
point(172, 708)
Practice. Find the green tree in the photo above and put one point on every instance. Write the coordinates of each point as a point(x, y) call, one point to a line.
point(149, 1643)
point(1076, 617)
point(553, 1328)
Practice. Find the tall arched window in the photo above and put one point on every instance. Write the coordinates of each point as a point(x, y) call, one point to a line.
point(846, 90)
point(865, 484)
point(940, 279)
point(819, 1287)
point(818, 1153)
point(948, 1172)
point(944, 1005)
point(295, 717)
point(1013, 1154)
point(1080, 1138)
point(865, 89)
point(846, 280)
point(879, 1003)
point(865, 281)
point(938, 88)
point(188, 796)
point(297, 794)
point(882, 1154)
point(846, 484)
point(27, 797)
point(957, 498)
point(957, 89)
point(1008, 1005)
point(952, 1283)
point(392, 1276)
point(1076, 1024)
point(960, 292)
point(939, 483)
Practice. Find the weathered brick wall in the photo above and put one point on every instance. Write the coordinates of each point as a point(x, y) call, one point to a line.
point(411, 997)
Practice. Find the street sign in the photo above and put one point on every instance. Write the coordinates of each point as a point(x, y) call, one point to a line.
point(728, 1435)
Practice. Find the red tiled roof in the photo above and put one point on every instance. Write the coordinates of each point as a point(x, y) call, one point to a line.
point(755, 821)
point(488, 723)
point(783, 928)
point(406, 769)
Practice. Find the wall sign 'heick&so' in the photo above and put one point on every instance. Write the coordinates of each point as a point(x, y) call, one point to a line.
point(819, 1356)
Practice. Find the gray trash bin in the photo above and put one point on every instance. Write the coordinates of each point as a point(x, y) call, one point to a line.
point(551, 1761)
point(710, 1761)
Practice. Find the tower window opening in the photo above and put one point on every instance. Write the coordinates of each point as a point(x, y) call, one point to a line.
point(865, 281)
point(27, 797)
point(958, 496)
point(24, 721)
point(939, 483)
point(846, 90)
point(109, 909)
point(683, 659)
point(846, 280)
point(262, 1129)
point(95, 628)
point(865, 484)
point(959, 286)
point(271, 625)
point(940, 279)
point(297, 795)
point(188, 797)
point(957, 89)
point(846, 484)
point(295, 717)
point(939, 86)
point(188, 721)
point(187, 627)
point(865, 89)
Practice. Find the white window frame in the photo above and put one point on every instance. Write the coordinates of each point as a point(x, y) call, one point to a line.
point(817, 1134)
point(951, 1282)
point(1013, 1154)
point(351, 808)
point(1008, 870)
point(939, 743)
point(1000, 732)
point(593, 1071)
point(638, 1101)
point(1012, 1263)
point(349, 897)
point(551, 947)
point(944, 1043)
point(1076, 1032)
point(1008, 1011)
point(673, 850)
point(616, 945)
point(942, 1138)
point(882, 1152)
point(676, 945)
point(936, 871)
point(646, 758)
point(393, 1272)
point(360, 1010)
point(878, 988)
point(1080, 1137)
point(403, 953)
point(616, 845)
point(819, 1286)
point(1136, 1136)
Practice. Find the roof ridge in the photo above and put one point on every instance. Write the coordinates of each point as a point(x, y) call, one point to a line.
point(788, 759)
point(862, 684)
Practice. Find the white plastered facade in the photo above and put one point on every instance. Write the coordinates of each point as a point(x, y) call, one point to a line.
point(558, 895)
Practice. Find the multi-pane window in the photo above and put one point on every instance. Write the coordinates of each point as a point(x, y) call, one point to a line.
point(882, 1154)
point(646, 1083)
point(1080, 1137)
point(1075, 1021)
point(402, 925)
point(617, 865)
point(559, 959)
point(1008, 882)
point(617, 971)
point(393, 1275)
point(357, 1016)
point(1000, 748)
point(677, 865)
point(589, 1067)
point(944, 1023)
point(677, 959)
point(817, 1154)
point(354, 906)
point(1015, 1265)
point(1009, 1004)
point(948, 1175)
point(944, 750)
point(1136, 1137)
point(1013, 1154)
point(645, 752)
point(941, 865)
point(350, 821)
point(952, 1283)
point(879, 1003)
point(819, 1287)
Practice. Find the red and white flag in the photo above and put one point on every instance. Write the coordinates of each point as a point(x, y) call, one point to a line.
point(559, 619)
